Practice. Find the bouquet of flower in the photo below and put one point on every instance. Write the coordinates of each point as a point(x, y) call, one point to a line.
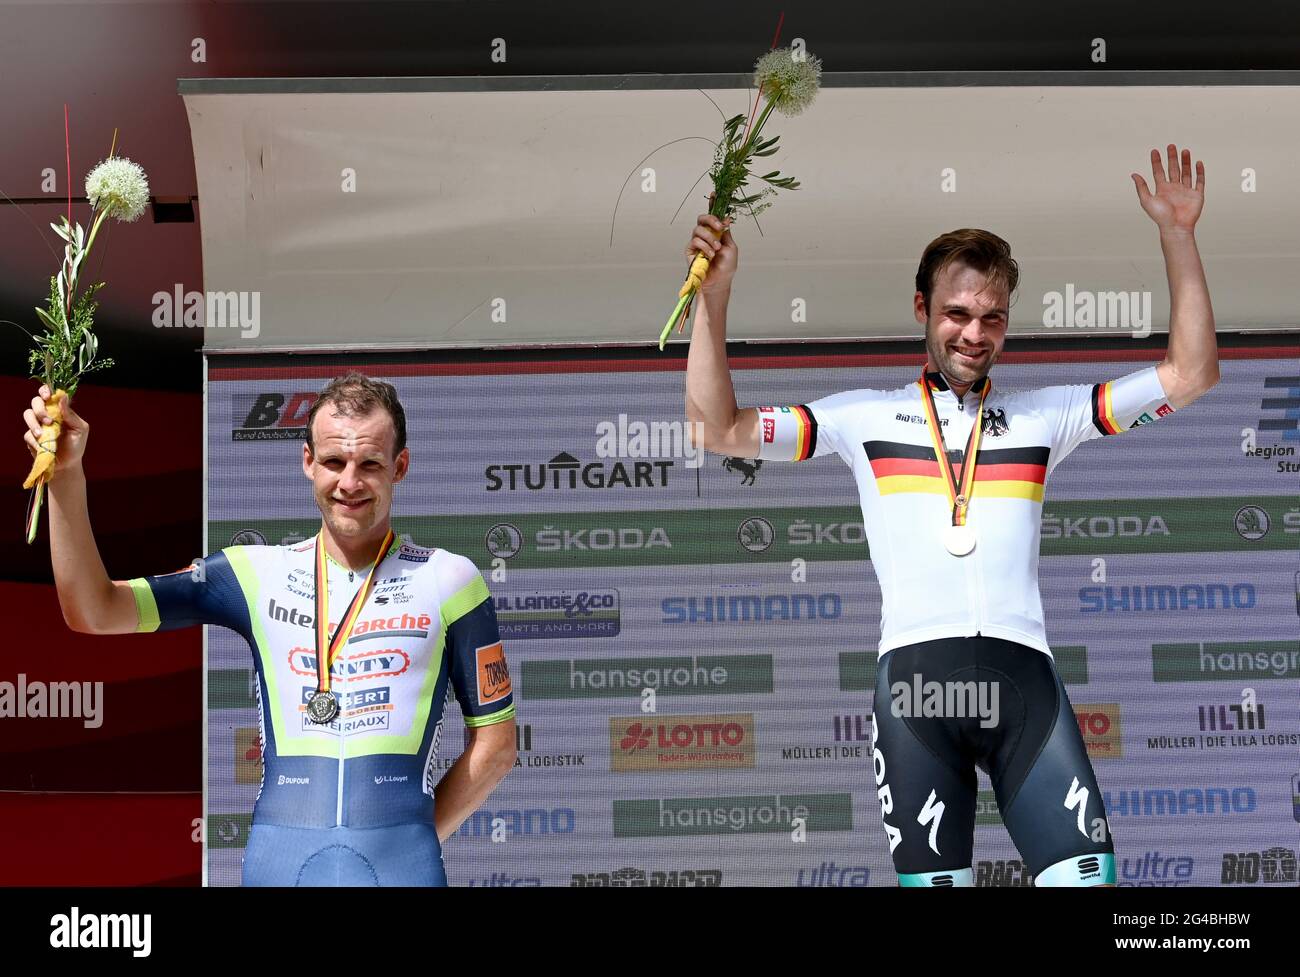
point(67, 349)
point(788, 81)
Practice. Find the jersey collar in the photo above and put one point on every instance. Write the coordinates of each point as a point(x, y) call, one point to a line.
point(940, 382)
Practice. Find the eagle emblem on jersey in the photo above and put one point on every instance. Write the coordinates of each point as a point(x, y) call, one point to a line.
point(995, 422)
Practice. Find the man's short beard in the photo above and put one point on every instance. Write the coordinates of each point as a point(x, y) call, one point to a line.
point(944, 362)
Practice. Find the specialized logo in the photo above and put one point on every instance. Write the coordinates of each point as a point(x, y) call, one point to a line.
point(271, 416)
point(932, 814)
point(493, 675)
point(1077, 796)
point(747, 468)
point(995, 422)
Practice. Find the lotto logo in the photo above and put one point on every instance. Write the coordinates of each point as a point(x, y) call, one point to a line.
point(769, 430)
point(493, 676)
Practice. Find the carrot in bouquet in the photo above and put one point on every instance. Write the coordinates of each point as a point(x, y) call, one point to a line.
point(788, 80)
point(67, 349)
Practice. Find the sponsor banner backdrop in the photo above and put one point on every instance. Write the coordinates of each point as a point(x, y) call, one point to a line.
point(693, 641)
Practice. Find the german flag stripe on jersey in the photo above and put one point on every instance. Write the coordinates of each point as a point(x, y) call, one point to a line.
point(1007, 473)
point(806, 436)
point(1103, 415)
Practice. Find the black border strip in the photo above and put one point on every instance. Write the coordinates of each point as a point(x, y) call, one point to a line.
point(672, 82)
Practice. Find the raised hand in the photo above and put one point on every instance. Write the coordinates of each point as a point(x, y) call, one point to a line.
point(1177, 201)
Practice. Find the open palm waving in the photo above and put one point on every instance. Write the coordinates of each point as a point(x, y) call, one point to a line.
point(1177, 203)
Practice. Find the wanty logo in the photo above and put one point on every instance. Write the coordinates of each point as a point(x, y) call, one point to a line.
point(271, 416)
point(682, 743)
point(355, 667)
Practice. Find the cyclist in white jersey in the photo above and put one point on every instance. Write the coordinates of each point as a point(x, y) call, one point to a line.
point(955, 546)
point(348, 795)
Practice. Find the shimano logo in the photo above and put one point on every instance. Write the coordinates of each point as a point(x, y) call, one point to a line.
point(1167, 597)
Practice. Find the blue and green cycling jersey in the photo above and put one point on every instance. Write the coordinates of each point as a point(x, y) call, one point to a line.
point(427, 631)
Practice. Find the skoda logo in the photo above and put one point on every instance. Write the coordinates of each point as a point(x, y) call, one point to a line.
point(755, 534)
point(1252, 522)
point(248, 537)
point(503, 540)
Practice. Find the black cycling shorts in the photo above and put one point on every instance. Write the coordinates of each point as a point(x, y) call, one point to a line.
point(944, 708)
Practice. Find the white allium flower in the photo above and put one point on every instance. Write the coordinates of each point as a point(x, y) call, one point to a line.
point(789, 84)
point(119, 187)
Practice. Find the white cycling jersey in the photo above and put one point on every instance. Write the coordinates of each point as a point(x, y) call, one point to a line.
point(883, 435)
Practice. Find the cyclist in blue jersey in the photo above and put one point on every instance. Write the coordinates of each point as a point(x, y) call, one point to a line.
point(950, 472)
point(358, 639)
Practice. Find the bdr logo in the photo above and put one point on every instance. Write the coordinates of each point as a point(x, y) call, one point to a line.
point(271, 416)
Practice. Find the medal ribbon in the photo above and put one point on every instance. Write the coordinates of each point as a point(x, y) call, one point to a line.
point(962, 485)
point(325, 658)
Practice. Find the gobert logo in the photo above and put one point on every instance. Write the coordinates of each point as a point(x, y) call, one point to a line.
point(493, 676)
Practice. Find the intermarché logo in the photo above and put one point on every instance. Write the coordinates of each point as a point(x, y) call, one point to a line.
point(747, 814)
